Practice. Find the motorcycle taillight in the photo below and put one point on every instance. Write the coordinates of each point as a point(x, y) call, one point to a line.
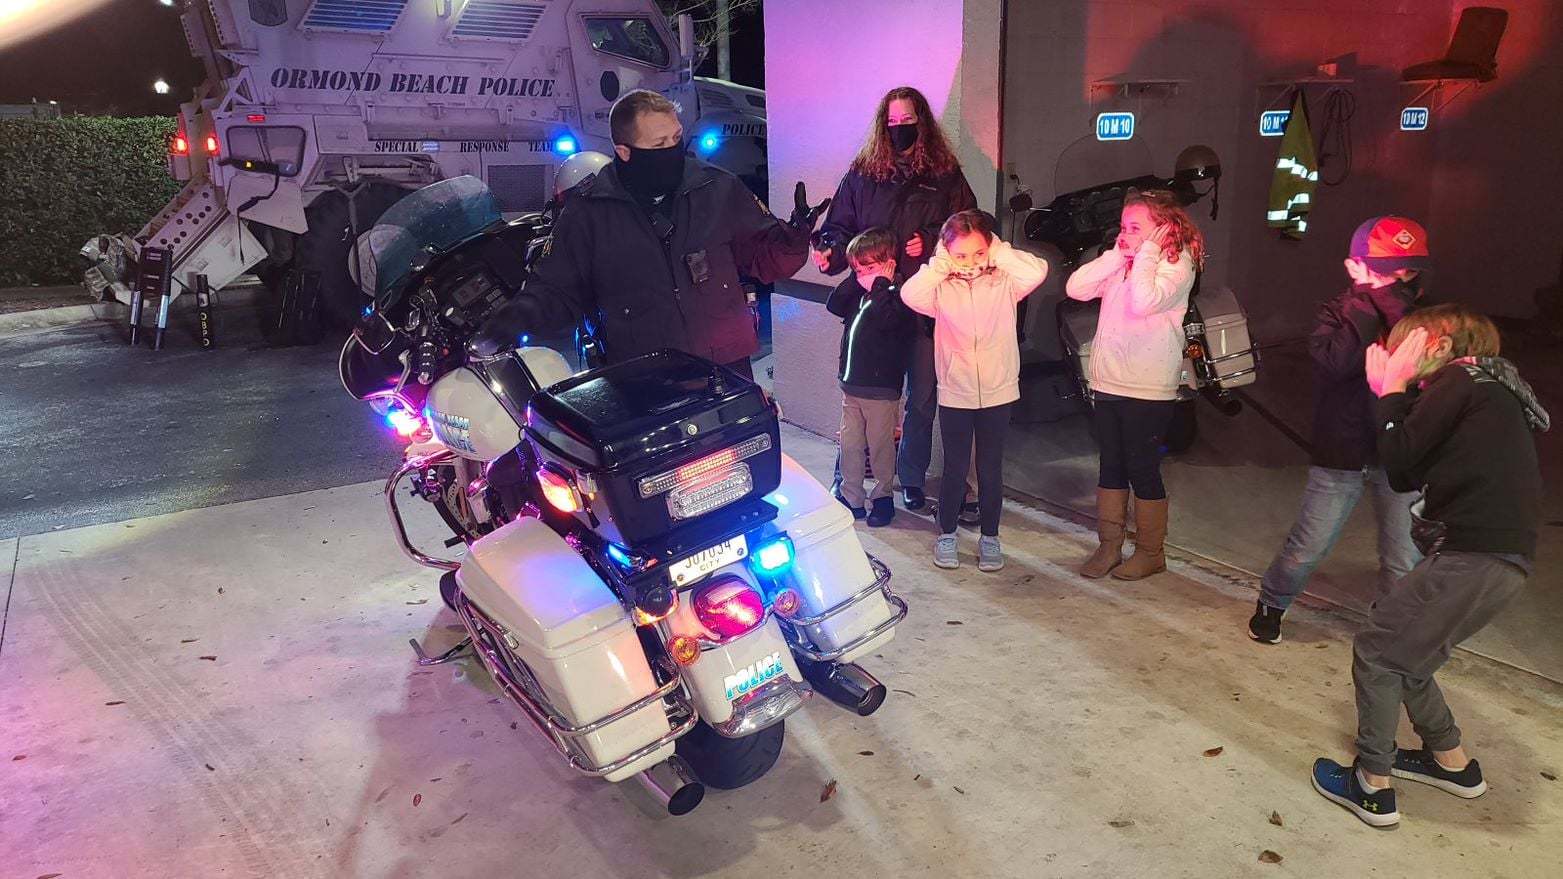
point(729, 607)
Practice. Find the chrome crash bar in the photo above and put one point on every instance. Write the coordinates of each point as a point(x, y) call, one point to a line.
point(794, 626)
point(410, 466)
point(487, 638)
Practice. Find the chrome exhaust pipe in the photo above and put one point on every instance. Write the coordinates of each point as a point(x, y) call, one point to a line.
point(846, 684)
point(674, 785)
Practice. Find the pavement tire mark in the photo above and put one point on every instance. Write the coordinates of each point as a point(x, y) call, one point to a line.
point(272, 820)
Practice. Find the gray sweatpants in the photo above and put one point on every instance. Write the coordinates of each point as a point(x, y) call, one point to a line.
point(1409, 635)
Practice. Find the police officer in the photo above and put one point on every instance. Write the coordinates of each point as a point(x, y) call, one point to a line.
point(650, 250)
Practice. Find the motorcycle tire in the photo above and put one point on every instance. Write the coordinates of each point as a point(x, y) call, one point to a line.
point(727, 764)
point(1183, 429)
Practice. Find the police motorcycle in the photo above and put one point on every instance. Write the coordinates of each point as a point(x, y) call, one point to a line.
point(646, 577)
point(1078, 226)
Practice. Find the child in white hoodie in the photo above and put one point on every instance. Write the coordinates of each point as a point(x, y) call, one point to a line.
point(971, 288)
point(1136, 364)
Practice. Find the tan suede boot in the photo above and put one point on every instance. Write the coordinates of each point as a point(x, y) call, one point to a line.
point(1112, 511)
point(1150, 533)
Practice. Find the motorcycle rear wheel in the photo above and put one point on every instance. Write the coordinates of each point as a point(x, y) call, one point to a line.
point(727, 764)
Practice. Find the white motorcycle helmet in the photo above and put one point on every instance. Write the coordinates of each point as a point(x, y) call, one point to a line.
point(576, 170)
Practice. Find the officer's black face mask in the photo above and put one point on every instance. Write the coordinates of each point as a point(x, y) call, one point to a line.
point(652, 173)
point(903, 136)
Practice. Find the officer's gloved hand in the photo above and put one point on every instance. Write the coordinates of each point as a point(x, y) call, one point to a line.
point(501, 331)
point(803, 216)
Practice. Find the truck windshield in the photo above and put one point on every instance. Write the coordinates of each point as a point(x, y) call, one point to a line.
point(279, 144)
point(633, 38)
point(431, 220)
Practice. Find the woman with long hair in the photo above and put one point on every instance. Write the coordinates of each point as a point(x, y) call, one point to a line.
point(1136, 365)
point(907, 179)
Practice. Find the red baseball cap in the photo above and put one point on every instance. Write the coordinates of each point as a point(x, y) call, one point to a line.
point(1387, 244)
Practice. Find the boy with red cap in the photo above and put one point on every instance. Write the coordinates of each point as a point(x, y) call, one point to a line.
point(1388, 255)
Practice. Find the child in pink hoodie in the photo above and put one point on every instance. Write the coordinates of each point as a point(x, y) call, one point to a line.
point(1136, 366)
point(970, 288)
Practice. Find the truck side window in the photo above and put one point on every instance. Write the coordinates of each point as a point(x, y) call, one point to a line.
point(282, 144)
point(269, 13)
point(633, 38)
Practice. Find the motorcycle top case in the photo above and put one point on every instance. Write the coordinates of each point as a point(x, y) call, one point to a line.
point(657, 442)
point(1226, 334)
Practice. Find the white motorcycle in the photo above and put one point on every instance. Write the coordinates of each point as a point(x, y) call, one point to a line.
point(647, 577)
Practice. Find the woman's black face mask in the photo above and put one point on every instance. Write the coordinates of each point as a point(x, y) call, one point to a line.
point(653, 172)
point(902, 137)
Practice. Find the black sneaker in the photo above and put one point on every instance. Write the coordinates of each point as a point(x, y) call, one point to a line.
point(1339, 784)
point(882, 514)
point(913, 498)
point(970, 515)
point(1265, 625)
point(1421, 766)
point(857, 512)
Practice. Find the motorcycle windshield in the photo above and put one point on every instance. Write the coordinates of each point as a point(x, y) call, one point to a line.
point(433, 219)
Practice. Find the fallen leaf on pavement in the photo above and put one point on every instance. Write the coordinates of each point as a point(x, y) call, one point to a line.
point(209, 767)
point(219, 590)
point(865, 753)
point(1548, 776)
point(1275, 818)
point(18, 757)
point(1269, 857)
point(120, 702)
point(954, 623)
point(1124, 822)
point(208, 658)
point(1214, 752)
point(417, 798)
point(828, 792)
point(419, 601)
point(188, 640)
point(905, 693)
point(958, 790)
point(51, 876)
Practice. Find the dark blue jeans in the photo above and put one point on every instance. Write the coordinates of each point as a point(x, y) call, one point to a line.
point(922, 405)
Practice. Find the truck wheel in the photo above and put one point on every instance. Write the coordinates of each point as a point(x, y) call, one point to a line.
point(325, 247)
point(1183, 429)
point(725, 763)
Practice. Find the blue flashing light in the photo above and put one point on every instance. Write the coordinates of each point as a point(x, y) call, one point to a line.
point(709, 142)
point(368, 310)
point(775, 556)
point(620, 556)
point(524, 339)
point(565, 145)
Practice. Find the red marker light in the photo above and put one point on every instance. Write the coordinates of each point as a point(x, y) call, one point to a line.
point(211, 144)
point(729, 607)
point(179, 146)
point(255, 117)
point(559, 491)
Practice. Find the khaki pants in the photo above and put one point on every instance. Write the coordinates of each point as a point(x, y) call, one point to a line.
point(867, 425)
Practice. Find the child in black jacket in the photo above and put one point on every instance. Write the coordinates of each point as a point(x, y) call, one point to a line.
point(876, 343)
point(1454, 421)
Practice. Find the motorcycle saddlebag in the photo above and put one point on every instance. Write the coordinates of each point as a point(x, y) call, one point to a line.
point(555, 614)
point(657, 442)
point(1226, 334)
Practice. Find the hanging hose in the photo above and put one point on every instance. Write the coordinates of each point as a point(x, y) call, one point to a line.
point(1335, 138)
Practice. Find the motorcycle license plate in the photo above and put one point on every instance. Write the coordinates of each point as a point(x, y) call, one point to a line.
point(707, 560)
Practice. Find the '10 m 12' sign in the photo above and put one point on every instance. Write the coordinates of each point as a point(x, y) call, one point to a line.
point(1413, 119)
point(1114, 126)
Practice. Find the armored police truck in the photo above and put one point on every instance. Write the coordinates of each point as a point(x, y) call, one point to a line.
point(317, 115)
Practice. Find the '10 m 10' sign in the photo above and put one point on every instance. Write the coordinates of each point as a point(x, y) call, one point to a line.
point(1114, 126)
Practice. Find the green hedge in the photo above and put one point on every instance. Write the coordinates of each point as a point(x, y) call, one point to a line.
point(71, 178)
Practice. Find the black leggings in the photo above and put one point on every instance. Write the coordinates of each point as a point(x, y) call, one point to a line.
point(1130, 433)
point(958, 428)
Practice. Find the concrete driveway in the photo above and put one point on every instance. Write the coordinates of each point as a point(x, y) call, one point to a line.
point(229, 692)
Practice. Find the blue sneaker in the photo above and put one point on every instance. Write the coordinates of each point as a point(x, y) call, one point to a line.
point(946, 552)
point(1422, 766)
point(1339, 784)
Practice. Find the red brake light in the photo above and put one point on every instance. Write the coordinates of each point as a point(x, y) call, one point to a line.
point(729, 607)
point(211, 144)
point(559, 491)
point(255, 117)
point(179, 146)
